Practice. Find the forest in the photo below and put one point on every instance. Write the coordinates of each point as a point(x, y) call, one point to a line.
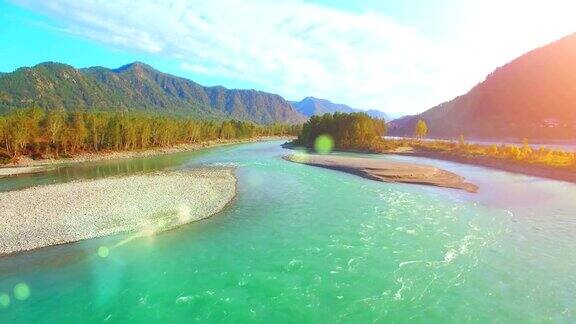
point(40, 133)
point(347, 131)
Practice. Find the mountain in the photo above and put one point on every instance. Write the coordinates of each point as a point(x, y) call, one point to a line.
point(375, 113)
point(311, 106)
point(137, 87)
point(534, 96)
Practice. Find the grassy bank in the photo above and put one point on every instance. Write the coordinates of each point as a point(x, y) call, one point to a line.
point(542, 162)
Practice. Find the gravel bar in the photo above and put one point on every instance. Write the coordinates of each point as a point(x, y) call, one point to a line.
point(61, 213)
point(386, 171)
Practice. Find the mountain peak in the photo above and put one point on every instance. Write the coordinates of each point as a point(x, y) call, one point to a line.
point(52, 65)
point(137, 65)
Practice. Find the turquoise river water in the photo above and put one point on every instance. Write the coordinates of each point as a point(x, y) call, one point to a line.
point(304, 244)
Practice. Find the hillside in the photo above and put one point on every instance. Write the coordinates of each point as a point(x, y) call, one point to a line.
point(533, 96)
point(137, 87)
point(311, 106)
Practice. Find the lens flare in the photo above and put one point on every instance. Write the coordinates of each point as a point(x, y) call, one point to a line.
point(4, 300)
point(103, 251)
point(324, 144)
point(21, 291)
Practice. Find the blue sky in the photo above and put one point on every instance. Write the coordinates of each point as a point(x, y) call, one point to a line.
point(397, 56)
point(31, 38)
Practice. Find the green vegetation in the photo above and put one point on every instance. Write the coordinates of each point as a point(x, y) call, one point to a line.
point(38, 133)
point(137, 87)
point(347, 131)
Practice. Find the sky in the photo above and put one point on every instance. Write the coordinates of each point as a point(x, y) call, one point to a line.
point(401, 57)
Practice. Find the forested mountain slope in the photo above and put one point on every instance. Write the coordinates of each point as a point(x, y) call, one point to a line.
point(137, 87)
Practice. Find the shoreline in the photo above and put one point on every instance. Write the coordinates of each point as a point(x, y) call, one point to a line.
point(145, 205)
point(534, 170)
point(386, 171)
point(503, 165)
point(27, 165)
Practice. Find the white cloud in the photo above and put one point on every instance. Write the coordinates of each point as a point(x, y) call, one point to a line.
point(296, 49)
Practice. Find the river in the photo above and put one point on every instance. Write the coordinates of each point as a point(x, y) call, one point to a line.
point(306, 244)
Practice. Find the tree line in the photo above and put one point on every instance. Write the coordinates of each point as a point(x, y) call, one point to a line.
point(54, 133)
point(347, 131)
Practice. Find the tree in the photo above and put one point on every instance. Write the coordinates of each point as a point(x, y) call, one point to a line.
point(79, 132)
point(462, 145)
point(55, 122)
point(348, 131)
point(421, 129)
point(17, 132)
point(492, 150)
point(54, 127)
point(526, 148)
point(4, 133)
point(33, 118)
point(227, 131)
point(97, 128)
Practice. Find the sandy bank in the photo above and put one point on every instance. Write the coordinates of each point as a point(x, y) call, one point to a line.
point(27, 165)
point(61, 213)
point(4, 172)
point(387, 171)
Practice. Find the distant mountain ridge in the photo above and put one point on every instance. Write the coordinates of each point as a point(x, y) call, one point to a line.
point(311, 106)
point(137, 87)
point(534, 96)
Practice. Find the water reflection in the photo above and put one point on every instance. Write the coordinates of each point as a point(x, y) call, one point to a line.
point(100, 169)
